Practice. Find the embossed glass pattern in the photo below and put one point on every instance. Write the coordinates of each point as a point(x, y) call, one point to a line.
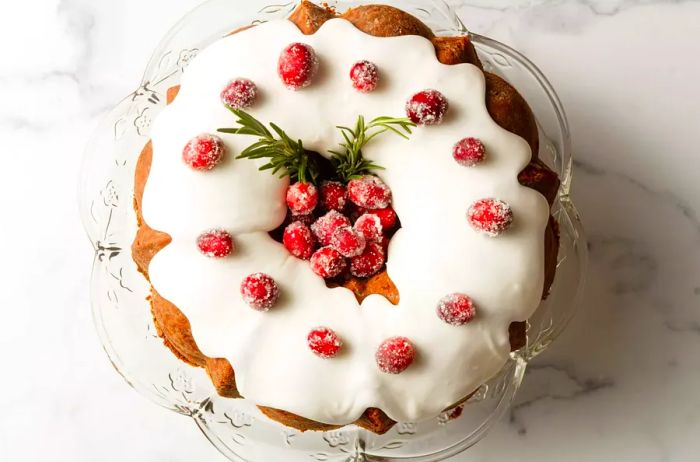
point(122, 314)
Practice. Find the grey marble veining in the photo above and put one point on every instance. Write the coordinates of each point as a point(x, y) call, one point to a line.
point(621, 383)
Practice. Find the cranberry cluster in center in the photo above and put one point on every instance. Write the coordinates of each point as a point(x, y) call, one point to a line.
point(342, 229)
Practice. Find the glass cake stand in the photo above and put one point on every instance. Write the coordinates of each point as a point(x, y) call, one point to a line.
point(118, 292)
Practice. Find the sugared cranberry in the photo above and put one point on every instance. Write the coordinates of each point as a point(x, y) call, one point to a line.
point(490, 216)
point(369, 262)
point(369, 192)
point(216, 243)
point(456, 309)
point(427, 107)
point(239, 94)
point(324, 342)
point(369, 226)
point(365, 76)
point(387, 218)
point(324, 227)
point(334, 195)
point(327, 262)
point(395, 355)
point(302, 198)
point(298, 240)
point(469, 152)
point(203, 152)
point(347, 241)
point(297, 65)
point(260, 291)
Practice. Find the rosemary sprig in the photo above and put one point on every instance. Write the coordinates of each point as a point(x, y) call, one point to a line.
point(290, 158)
point(349, 162)
point(285, 155)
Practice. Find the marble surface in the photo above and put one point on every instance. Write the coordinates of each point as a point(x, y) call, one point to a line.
point(621, 384)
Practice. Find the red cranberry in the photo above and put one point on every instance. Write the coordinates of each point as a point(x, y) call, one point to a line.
point(203, 152)
point(327, 262)
point(216, 243)
point(369, 262)
point(260, 291)
point(369, 192)
point(427, 107)
point(490, 216)
point(297, 65)
point(469, 152)
point(395, 355)
point(302, 198)
point(324, 227)
point(387, 217)
point(298, 240)
point(324, 342)
point(334, 195)
point(365, 76)
point(369, 226)
point(347, 241)
point(456, 309)
point(239, 94)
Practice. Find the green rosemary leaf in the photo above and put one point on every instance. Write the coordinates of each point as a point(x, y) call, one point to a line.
point(232, 131)
point(348, 160)
point(285, 156)
point(288, 157)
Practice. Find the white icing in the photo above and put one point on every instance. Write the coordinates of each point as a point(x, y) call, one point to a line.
point(435, 253)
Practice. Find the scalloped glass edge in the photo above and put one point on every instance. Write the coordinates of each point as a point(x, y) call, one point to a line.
point(122, 317)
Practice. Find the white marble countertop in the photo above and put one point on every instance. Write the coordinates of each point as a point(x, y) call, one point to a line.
point(621, 384)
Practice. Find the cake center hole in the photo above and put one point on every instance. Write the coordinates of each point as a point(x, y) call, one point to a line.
point(345, 243)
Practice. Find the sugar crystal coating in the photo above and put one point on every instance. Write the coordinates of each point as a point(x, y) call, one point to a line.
point(297, 66)
point(324, 342)
point(347, 241)
point(369, 226)
point(456, 309)
point(364, 76)
point(387, 218)
point(469, 152)
point(260, 291)
point(239, 93)
point(203, 152)
point(328, 262)
point(369, 192)
point(334, 195)
point(302, 198)
point(216, 243)
point(299, 240)
point(427, 107)
point(369, 262)
point(395, 355)
point(490, 216)
point(324, 227)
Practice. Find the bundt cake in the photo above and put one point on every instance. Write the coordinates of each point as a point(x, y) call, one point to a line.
point(344, 219)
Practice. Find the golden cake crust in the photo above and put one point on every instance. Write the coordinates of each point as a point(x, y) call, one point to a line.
point(505, 106)
point(384, 21)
